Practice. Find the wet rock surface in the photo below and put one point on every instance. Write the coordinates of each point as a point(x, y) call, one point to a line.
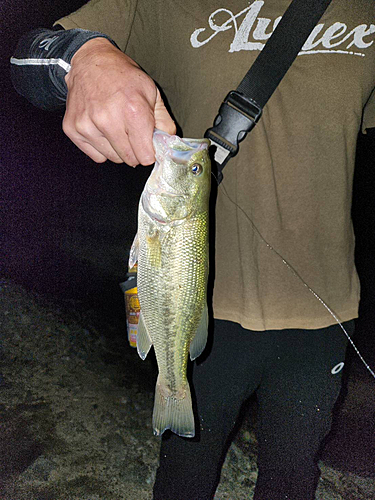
point(75, 413)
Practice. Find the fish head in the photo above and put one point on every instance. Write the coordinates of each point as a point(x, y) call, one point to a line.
point(179, 185)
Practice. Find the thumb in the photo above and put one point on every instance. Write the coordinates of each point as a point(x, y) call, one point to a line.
point(163, 120)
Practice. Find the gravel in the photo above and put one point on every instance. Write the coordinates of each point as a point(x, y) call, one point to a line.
point(75, 412)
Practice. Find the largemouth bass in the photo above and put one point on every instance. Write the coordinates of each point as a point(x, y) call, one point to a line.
point(171, 247)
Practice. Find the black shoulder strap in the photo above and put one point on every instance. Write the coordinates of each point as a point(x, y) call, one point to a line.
point(242, 108)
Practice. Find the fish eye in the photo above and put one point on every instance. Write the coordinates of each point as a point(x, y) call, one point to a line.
point(196, 168)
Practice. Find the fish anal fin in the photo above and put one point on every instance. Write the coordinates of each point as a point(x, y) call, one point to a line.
point(173, 411)
point(144, 342)
point(200, 339)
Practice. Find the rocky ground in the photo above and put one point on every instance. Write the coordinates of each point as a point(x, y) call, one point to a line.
point(75, 412)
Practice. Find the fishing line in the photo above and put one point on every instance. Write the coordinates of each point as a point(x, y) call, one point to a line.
point(297, 275)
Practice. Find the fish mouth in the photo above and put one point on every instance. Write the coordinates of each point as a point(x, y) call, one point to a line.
point(172, 145)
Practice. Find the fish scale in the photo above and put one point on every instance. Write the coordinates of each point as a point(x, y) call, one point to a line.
point(172, 306)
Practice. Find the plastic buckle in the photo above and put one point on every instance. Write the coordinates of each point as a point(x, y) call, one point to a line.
point(237, 116)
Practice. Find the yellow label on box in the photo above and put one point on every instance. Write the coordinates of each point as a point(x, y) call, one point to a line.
point(132, 314)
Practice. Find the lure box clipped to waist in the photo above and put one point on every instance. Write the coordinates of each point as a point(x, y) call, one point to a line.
point(132, 308)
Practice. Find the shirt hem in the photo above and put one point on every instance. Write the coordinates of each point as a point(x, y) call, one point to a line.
point(283, 324)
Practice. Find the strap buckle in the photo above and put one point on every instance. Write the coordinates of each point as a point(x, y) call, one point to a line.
point(237, 116)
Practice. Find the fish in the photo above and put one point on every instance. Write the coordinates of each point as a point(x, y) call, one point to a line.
point(171, 249)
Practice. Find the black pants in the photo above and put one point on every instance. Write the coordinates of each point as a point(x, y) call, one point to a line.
point(296, 375)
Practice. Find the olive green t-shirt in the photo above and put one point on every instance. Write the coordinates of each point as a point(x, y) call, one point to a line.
point(291, 182)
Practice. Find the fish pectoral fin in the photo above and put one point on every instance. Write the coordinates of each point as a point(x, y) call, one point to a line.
point(153, 246)
point(199, 341)
point(173, 411)
point(143, 338)
point(133, 256)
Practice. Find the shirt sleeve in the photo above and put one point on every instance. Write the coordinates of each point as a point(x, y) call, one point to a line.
point(113, 17)
point(369, 113)
point(42, 60)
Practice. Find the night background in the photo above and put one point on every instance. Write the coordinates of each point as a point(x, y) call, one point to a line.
point(68, 223)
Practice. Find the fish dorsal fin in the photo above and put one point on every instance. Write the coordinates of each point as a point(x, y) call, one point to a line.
point(199, 341)
point(143, 338)
point(133, 256)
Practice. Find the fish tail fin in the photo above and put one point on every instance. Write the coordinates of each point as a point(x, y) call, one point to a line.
point(173, 412)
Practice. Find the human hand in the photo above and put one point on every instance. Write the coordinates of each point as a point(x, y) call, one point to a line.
point(112, 106)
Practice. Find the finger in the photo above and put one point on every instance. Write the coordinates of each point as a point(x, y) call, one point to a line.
point(90, 151)
point(94, 151)
point(141, 132)
point(117, 146)
point(140, 139)
point(92, 141)
point(139, 127)
point(80, 141)
point(132, 140)
point(102, 148)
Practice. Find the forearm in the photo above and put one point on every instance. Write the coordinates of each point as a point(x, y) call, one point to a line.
point(42, 60)
point(111, 105)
